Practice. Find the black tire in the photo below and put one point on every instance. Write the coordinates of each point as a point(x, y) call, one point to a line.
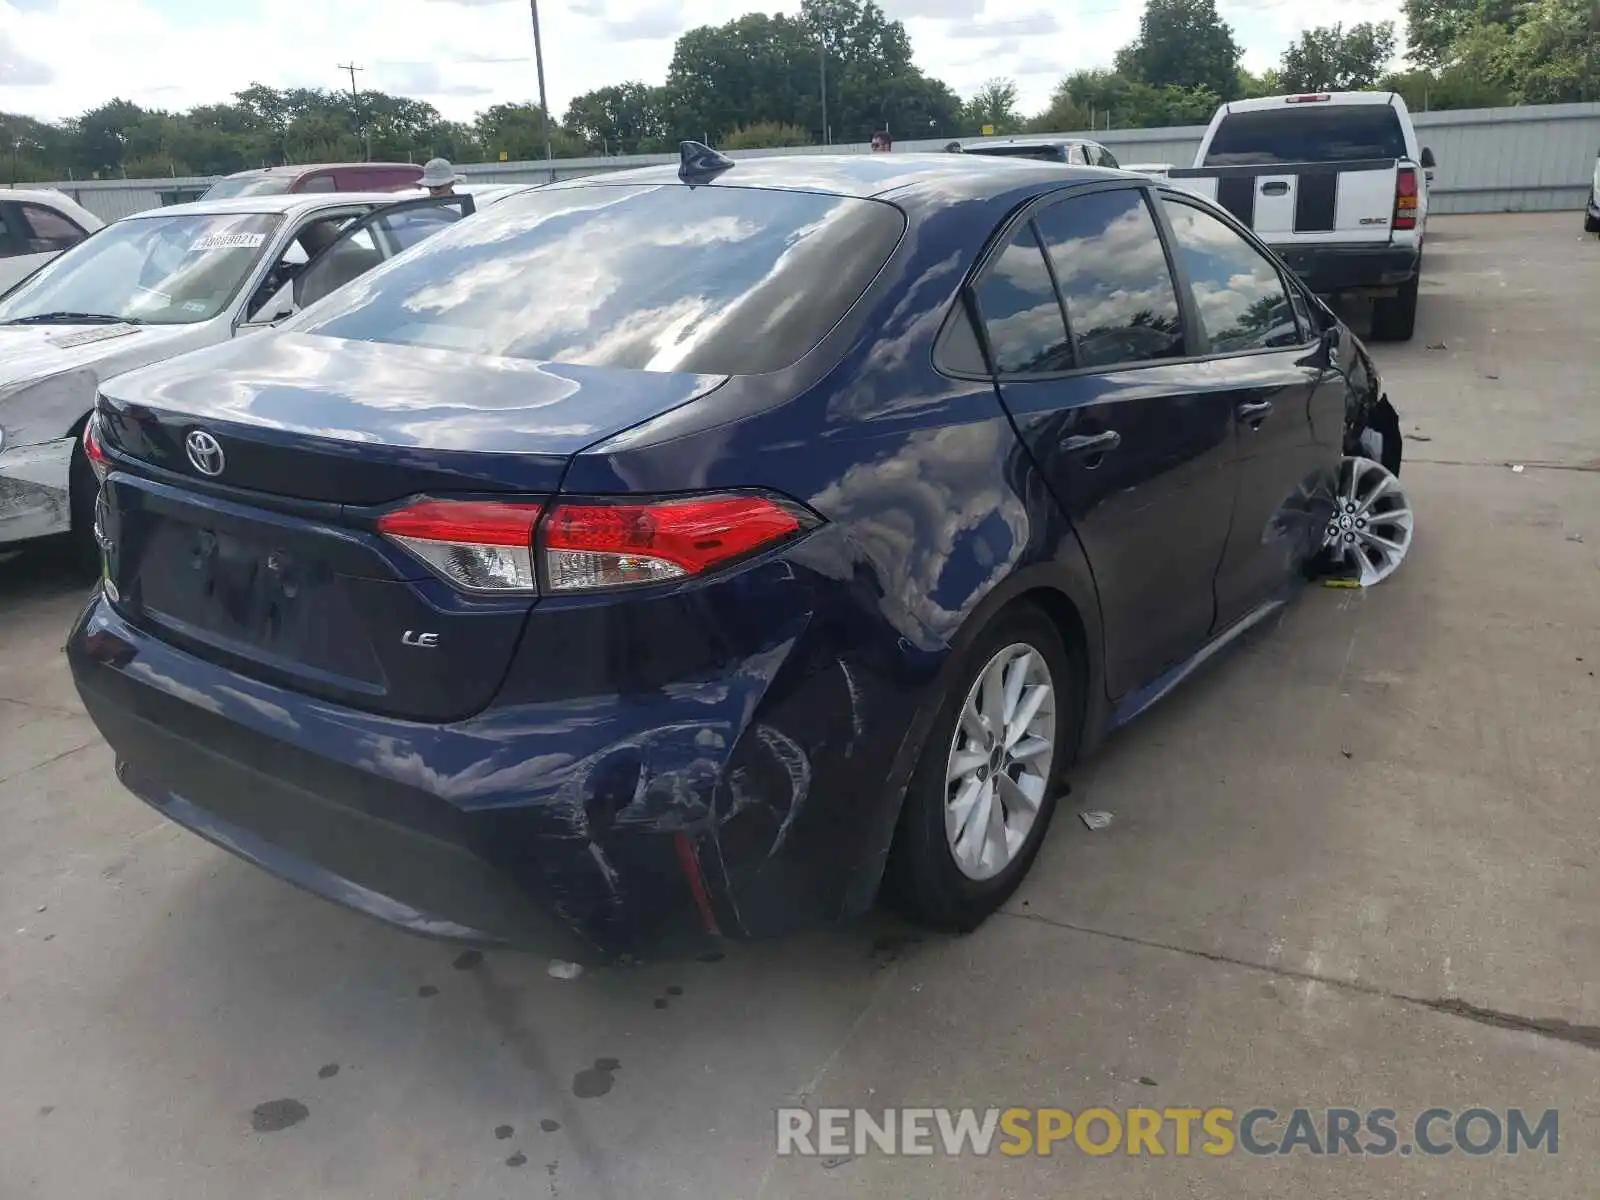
point(84, 493)
point(922, 881)
point(1394, 318)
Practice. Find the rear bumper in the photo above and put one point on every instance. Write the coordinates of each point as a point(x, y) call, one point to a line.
point(35, 490)
point(585, 829)
point(1332, 268)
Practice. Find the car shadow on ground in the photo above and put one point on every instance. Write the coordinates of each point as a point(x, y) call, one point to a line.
point(41, 572)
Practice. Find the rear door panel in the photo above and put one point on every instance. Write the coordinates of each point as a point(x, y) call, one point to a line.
point(1141, 461)
point(1271, 373)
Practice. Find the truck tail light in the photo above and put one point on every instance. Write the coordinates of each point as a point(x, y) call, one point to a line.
point(1313, 98)
point(1405, 198)
point(502, 547)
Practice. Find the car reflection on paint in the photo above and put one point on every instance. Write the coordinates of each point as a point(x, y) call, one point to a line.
point(788, 553)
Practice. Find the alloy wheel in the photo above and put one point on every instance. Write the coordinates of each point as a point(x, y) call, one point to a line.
point(1372, 525)
point(1000, 763)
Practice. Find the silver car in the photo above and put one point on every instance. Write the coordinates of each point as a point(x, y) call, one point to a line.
point(156, 285)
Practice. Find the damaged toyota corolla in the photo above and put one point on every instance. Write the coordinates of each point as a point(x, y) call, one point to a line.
point(686, 554)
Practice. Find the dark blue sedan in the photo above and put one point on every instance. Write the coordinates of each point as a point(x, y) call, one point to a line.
point(685, 554)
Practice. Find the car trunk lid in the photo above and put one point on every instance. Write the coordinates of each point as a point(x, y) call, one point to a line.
point(257, 546)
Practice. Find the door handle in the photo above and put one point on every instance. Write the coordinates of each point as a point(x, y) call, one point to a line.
point(1255, 413)
point(1276, 188)
point(1087, 445)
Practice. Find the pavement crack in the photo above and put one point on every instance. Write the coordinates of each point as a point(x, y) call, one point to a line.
point(1554, 1028)
point(1587, 467)
point(54, 758)
point(1550, 1027)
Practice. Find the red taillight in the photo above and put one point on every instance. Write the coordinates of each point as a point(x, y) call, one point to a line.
point(599, 544)
point(99, 460)
point(482, 546)
point(1313, 98)
point(1405, 198)
point(489, 546)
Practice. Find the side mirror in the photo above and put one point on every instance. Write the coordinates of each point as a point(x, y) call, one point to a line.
point(280, 308)
point(1427, 157)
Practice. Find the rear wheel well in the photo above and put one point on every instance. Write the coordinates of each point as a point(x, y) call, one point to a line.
point(1060, 609)
point(1064, 615)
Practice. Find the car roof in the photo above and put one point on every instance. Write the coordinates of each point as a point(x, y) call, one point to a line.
point(295, 170)
point(1334, 100)
point(288, 202)
point(976, 143)
point(861, 175)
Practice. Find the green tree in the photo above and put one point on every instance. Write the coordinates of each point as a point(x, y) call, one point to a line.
point(1111, 99)
point(765, 135)
point(1553, 55)
point(1454, 87)
point(1061, 115)
point(1332, 58)
point(1183, 43)
point(1433, 27)
point(1252, 87)
point(994, 105)
point(627, 118)
point(518, 130)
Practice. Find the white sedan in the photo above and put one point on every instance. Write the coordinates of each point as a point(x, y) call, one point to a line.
point(156, 285)
point(35, 226)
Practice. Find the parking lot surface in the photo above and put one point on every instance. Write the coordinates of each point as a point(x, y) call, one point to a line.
point(1352, 863)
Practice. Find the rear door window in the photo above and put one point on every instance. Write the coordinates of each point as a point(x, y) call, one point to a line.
point(1238, 291)
point(719, 280)
point(1021, 313)
point(317, 183)
point(47, 231)
point(1113, 275)
point(1301, 133)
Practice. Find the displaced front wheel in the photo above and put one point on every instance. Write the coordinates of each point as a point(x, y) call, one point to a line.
point(1369, 534)
point(1394, 318)
point(981, 799)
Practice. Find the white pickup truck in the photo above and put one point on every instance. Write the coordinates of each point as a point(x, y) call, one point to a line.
point(1335, 183)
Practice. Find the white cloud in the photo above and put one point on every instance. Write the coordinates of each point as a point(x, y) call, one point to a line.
point(60, 57)
point(17, 69)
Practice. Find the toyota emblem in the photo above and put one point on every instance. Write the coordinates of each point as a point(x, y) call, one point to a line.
point(205, 452)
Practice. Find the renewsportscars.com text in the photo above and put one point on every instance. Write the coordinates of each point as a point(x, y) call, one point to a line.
point(1155, 1132)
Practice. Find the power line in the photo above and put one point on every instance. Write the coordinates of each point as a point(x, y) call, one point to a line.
point(355, 104)
point(352, 68)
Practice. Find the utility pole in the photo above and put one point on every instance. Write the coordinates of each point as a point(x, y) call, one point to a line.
point(544, 104)
point(822, 57)
point(355, 103)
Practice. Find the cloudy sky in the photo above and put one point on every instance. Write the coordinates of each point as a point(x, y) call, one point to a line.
point(59, 57)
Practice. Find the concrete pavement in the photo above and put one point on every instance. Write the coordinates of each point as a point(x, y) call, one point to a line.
point(1352, 863)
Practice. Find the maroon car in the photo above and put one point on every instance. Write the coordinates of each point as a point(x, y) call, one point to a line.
point(317, 177)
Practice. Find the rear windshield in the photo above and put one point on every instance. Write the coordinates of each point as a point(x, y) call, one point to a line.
point(715, 280)
point(1044, 153)
point(259, 185)
point(1299, 133)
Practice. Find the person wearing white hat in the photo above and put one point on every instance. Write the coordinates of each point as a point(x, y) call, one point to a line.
point(440, 178)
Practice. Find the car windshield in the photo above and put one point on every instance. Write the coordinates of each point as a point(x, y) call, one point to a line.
point(158, 270)
point(719, 280)
point(250, 185)
point(1300, 133)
